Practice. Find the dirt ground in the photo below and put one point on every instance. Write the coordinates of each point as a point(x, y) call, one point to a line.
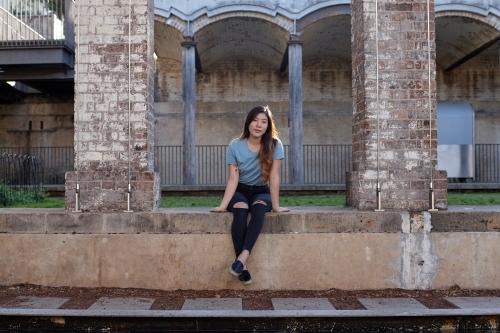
point(82, 298)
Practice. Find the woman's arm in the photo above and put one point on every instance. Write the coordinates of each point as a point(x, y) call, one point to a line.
point(232, 183)
point(274, 185)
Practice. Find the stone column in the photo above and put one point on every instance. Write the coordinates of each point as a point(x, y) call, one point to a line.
point(188, 110)
point(106, 157)
point(296, 155)
point(404, 154)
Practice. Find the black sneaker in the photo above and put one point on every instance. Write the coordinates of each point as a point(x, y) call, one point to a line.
point(245, 277)
point(236, 268)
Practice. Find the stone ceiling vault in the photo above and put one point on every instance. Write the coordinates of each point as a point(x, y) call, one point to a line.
point(168, 41)
point(328, 38)
point(457, 36)
point(241, 38)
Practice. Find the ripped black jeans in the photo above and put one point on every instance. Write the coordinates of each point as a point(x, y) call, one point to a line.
point(258, 199)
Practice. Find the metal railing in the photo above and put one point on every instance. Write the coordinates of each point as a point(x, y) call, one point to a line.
point(32, 22)
point(55, 160)
point(323, 164)
point(19, 174)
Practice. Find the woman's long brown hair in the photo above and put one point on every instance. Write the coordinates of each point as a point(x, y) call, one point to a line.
point(268, 140)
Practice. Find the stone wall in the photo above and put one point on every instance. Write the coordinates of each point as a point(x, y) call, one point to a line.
point(228, 90)
point(37, 121)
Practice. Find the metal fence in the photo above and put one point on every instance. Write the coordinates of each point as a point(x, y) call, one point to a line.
point(19, 174)
point(323, 164)
point(487, 167)
point(55, 161)
point(31, 22)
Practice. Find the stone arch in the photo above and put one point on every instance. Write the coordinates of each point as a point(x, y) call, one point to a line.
point(489, 19)
point(322, 13)
point(279, 20)
point(168, 35)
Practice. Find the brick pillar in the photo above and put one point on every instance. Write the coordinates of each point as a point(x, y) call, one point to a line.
point(102, 102)
point(406, 153)
point(189, 110)
point(295, 93)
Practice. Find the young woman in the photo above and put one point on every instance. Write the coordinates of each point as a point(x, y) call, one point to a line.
point(254, 162)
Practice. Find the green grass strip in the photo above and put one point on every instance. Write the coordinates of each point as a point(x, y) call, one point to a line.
point(471, 199)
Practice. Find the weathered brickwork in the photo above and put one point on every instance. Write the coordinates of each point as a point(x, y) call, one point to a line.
point(104, 100)
point(404, 154)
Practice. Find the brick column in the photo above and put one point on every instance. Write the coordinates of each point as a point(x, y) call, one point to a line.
point(404, 154)
point(295, 100)
point(102, 103)
point(189, 110)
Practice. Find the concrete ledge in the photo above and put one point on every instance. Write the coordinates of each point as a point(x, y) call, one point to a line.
point(201, 221)
point(311, 248)
point(194, 221)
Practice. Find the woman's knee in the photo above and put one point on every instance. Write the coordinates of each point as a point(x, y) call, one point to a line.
point(243, 205)
point(262, 199)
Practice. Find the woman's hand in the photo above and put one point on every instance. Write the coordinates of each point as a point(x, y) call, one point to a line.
point(281, 210)
point(218, 210)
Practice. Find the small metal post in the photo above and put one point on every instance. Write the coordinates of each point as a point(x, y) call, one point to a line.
point(379, 200)
point(77, 199)
point(129, 193)
point(431, 198)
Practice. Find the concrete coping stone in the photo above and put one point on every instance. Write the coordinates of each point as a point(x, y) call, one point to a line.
point(391, 304)
point(199, 220)
point(213, 304)
point(32, 302)
point(122, 303)
point(302, 304)
point(475, 302)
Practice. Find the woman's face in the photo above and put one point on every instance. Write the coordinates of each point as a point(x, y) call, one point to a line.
point(258, 126)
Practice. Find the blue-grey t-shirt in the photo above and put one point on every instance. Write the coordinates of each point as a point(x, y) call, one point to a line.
point(248, 161)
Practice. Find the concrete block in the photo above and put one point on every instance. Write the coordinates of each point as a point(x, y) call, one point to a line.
point(23, 223)
point(122, 303)
point(30, 302)
point(302, 304)
point(213, 304)
point(391, 304)
point(345, 221)
point(292, 222)
point(475, 302)
point(461, 219)
point(74, 223)
point(194, 223)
